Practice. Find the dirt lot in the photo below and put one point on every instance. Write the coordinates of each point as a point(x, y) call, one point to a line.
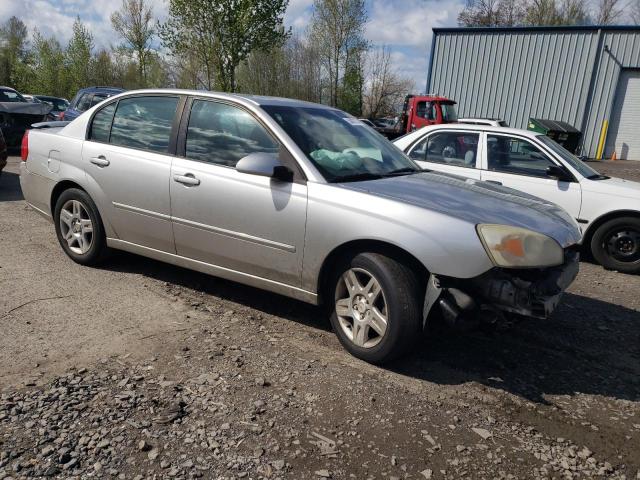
point(144, 370)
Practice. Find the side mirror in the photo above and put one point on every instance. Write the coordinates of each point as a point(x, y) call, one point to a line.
point(559, 173)
point(265, 165)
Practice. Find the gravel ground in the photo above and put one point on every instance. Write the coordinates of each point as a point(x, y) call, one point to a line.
point(144, 370)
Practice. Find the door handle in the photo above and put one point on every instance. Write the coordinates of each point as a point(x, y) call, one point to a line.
point(187, 179)
point(495, 182)
point(100, 161)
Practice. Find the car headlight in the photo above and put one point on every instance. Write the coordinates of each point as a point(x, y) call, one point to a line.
point(514, 247)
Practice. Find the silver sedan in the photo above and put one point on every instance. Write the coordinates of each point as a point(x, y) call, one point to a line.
point(302, 200)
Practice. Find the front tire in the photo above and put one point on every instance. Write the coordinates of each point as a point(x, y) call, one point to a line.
point(616, 244)
point(376, 307)
point(79, 227)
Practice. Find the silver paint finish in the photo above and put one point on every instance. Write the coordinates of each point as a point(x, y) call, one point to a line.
point(267, 233)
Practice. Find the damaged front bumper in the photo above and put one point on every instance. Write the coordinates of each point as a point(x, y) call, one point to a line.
point(532, 292)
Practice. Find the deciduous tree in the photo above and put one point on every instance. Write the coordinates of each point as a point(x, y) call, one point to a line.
point(222, 33)
point(134, 22)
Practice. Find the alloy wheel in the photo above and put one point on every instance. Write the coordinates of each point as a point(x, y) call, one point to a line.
point(361, 308)
point(76, 226)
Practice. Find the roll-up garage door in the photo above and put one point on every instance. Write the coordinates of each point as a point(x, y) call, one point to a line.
point(623, 136)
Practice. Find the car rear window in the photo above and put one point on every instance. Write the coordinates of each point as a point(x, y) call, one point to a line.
point(144, 123)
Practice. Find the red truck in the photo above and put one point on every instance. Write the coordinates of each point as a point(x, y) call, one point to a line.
point(421, 110)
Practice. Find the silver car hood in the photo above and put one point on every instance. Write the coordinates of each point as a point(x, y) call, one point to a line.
point(475, 202)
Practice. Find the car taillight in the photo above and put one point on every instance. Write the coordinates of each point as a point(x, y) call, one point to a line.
point(24, 147)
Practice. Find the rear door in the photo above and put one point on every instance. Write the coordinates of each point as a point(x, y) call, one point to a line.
point(245, 223)
point(128, 154)
point(451, 151)
point(518, 163)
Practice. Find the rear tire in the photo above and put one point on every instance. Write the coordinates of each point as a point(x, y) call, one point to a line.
point(376, 309)
point(79, 227)
point(616, 244)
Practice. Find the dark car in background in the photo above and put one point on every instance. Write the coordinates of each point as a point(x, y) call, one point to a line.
point(17, 114)
point(59, 104)
point(87, 98)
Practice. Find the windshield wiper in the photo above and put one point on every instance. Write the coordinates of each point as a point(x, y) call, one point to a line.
point(356, 177)
point(402, 171)
point(597, 176)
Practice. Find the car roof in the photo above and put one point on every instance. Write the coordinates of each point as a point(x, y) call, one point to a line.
point(102, 89)
point(260, 100)
point(49, 96)
point(2, 87)
point(481, 118)
point(483, 128)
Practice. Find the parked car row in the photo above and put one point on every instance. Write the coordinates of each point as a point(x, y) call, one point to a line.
point(308, 202)
point(18, 112)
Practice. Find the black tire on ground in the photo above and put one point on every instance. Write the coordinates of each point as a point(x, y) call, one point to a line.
point(98, 250)
point(403, 298)
point(616, 244)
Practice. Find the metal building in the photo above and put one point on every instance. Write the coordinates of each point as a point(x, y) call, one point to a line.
point(586, 76)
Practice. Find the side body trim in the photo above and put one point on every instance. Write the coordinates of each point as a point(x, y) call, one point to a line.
point(217, 271)
point(227, 233)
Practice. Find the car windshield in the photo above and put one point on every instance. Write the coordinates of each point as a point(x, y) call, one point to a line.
point(577, 164)
point(449, 113)
point(11, 96)
point(341, 146)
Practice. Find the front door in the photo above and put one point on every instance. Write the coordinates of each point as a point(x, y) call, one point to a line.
point(127, 156)
point(246, 223)
point(517, 163)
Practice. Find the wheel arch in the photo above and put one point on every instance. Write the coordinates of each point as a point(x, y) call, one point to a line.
point(354, 247)
point(61, 187)
point(66, 184)
point(593, 227)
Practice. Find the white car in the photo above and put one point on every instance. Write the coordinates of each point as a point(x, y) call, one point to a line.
point(492, 122)
point(607, 209)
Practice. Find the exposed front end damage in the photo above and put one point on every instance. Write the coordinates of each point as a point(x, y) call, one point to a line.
point(528, 292)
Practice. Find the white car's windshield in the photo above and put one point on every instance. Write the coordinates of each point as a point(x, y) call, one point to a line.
point(582, 168)
point(342, 147)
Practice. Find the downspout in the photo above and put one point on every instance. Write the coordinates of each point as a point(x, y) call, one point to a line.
point(433, 49)
point(592, 86)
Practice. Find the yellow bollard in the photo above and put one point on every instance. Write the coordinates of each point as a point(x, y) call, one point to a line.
point(603, 137)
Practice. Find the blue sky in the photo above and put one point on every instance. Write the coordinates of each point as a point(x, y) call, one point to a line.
point(404, 25)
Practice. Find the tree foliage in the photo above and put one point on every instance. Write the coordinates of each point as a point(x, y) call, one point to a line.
point(493, 13)
point(337, 30)
point(222, 33)
point(135, 24)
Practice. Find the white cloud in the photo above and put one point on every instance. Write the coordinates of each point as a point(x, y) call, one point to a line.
point(409, 22)
point(298, 14)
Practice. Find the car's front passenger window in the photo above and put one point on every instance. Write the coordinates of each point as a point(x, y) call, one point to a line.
point(516, 156)
point(223, 134)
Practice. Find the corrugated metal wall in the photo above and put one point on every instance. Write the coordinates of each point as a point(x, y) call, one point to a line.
point(515, 74)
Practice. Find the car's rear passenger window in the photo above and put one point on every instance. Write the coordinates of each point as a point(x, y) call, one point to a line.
point(223, 134)
point(101, 124)
point(144, 123)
